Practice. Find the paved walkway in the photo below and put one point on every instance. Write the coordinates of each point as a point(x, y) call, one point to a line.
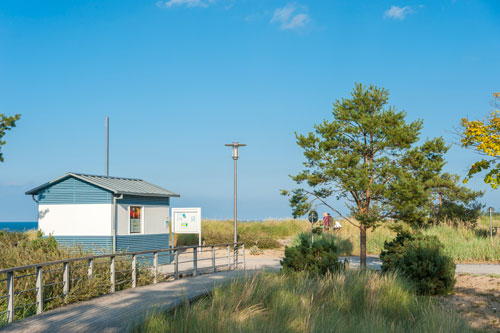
point(119, 312)
point(374, 262)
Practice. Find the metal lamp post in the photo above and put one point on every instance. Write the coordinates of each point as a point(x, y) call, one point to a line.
point(235, 146)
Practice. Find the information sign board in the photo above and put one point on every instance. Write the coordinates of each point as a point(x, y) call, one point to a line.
point(186, 220)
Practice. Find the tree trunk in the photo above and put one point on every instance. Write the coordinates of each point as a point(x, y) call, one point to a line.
point(362, 246)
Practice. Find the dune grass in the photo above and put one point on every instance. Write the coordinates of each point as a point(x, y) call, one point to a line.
point(20, 249)
point(264, 235)
point(462, 244)
point(352, 301)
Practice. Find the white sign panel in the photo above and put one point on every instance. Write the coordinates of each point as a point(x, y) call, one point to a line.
point(186, 220)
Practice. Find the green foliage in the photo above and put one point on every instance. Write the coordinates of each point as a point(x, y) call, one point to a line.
point(6, 123)
point(316, 258)
point(420, 258)
point(394, 251)
point(368, 154)
point(459, 214)
point(354, 301)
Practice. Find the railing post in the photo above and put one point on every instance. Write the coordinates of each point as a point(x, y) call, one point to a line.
point(195, 261)
point(235, 256)
point(243, 256)
point(39, 290)
point(176, 264)
point(228, 258)
point(112, 274)
point(155, 267)
point(66, 279)
point(10, 298)
point(134, 271)
point(213, 259)
point(91, 268)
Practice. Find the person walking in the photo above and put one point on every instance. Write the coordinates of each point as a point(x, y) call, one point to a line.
point(327, 220)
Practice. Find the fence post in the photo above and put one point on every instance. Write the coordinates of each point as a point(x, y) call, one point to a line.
point(176, 264)
point(155, 267)
point(195, 261)
point(228, 258)
point(235, 256)
point(213, 259)
point(243, 256)
point(39, 290)
point(112, 274)
point(66, 279)
point(10, 298)
point(91, 268)
point(134, 271)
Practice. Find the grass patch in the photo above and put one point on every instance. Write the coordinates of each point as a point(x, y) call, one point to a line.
point(264, 234)
point(20, 249)
point(353, 301)
point(461, 244)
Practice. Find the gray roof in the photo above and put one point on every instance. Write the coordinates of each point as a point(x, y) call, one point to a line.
point(117, 185)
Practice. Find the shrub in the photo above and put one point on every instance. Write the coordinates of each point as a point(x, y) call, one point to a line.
point(317, 258)
point(420, 258)
point(459, 214)
point(394, 250)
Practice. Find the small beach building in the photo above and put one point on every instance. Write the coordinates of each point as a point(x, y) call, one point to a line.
point(104, 214)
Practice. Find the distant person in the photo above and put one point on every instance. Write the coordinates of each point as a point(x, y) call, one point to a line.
point(337, 226)
point(327, 220)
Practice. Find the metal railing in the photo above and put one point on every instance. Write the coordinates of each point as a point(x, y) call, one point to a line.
point(62, 274)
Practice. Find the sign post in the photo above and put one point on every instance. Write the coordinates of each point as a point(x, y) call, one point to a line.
point(186, 221)
point(313, 218)
point(490, 210)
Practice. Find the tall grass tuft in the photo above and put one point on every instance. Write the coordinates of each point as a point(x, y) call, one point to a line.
point(354, 301)
point(20, 249)
point(263, 234)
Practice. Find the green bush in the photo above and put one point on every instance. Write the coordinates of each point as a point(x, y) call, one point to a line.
point(317, 258)
point(458, 214)
point(394, 250)
point(420, 258)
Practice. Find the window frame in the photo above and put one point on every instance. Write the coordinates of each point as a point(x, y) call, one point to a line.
point(141, 231)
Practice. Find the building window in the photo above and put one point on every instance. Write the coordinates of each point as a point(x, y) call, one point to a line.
point(135, 219)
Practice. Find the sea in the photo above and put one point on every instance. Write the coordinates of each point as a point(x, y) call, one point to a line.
point(18, 226)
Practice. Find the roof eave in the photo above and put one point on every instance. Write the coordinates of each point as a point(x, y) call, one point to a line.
point(173, 195)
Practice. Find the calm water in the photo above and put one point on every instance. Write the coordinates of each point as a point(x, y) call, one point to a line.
point(18, 226)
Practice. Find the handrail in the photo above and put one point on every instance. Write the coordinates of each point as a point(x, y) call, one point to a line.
point(118, 254)
point(37, 285)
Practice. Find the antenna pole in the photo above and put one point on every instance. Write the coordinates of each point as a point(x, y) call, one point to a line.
point(107, 147)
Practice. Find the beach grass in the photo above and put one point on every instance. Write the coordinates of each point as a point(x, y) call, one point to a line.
point(462, 244)
point(351, 301)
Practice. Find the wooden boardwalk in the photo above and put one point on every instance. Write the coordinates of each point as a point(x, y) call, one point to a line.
point(120, 311)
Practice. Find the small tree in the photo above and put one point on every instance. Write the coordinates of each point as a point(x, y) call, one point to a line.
point(367, 156)
point(484, 138)
point(6, 123)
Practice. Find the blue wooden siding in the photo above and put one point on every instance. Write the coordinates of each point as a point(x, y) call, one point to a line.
point(125, 243)
point(137, 200)
point(93, 244)
point(134, 243)
point(74, 191)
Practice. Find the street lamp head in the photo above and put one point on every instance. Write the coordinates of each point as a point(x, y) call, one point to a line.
point(235, 146)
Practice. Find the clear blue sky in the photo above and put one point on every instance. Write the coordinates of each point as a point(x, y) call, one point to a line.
point(180, 78)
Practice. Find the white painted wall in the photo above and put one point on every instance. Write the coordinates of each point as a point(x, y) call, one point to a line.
point(75, 220)
point(153, 222)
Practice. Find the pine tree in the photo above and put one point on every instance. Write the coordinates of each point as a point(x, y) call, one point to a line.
point(367, 155)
